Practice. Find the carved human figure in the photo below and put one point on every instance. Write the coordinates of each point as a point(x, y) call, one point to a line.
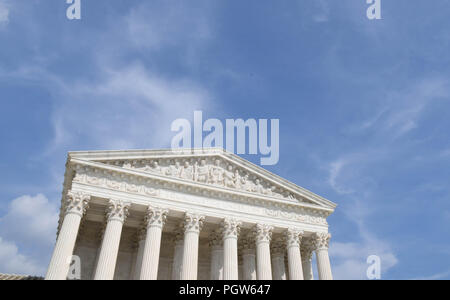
point(203, 172)
point(237, 179)
point(258, 187)
point(216, 173)
point(273, 192)
point(174, 169)
point(187, 171)
point(228, 177)
point(147, 168)
point(155, 167)
point(247, 184)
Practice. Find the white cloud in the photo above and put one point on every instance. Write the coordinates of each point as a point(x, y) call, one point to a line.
point(349, 260)
point(4, 12)
point(12, 262)
point(348, 177)
point(335, 170)
point(438, 276)
point(127, 108)
point(122, 105)
point(403, 109)
point(160, 24)
point(29, 223)
point(30, 220)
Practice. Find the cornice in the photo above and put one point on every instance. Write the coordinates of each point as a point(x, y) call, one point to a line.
point(198, 188)
point(205, 152)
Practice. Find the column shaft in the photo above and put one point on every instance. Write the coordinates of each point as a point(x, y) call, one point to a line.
point(192, 226)
point(295, 263)
point(230, 265)
point(249, 264)
point(230, 229)
point(217, 258)
point(278, 267)
point(307, 269)
point(263, 234)
point(76, 205)
point(190, 256)
point(177, 260)
point(60, 262)
point(264, 268)
point(106, 265)
point(321, 243)
point(323, 265)
point(150, 260)
point(139, 256)
point(155, 221)
point(117, 212)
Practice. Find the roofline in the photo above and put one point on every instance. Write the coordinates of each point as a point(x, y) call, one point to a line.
point(140, 153)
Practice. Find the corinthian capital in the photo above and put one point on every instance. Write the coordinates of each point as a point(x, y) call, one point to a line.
point(307, 249)
point(156, 216)
point(193, 222)
point(230, 228)
point(77, 203)
point(293, 237)
point(262, 233)
point(215, 240)
point(321, 240)
point(117, 210)
point(278, 247)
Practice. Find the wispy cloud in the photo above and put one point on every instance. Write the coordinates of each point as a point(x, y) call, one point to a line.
point(13, 262)
point(121, 104)
point(438, 276)
point(29, 223)
point(4, 12)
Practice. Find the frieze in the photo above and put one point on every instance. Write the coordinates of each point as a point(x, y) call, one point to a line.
point(213, 171)
point(136, 185)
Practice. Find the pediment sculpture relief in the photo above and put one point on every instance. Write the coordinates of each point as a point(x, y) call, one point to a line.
point(213, 171)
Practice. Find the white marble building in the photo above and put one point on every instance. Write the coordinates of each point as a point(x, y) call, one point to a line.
point(203, 214)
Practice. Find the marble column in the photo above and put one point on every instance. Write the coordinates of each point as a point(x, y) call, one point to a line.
point(192, 225)
point(216, 247)
point(230, 230)
point(178, 254)
point(155, 220)
point(306, 250)
point(293, 241)
point(142, 233)
point(321, 242)
point(278, 267)
point(75, 207)
point(263, 235)
point(117, 213)
point(248, 258)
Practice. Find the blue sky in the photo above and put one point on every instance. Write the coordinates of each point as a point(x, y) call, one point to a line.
point(363, 108)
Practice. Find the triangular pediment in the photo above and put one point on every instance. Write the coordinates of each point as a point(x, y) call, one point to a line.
point(213, 167)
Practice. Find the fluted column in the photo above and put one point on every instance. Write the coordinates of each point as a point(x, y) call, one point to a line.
point(178, 254)
point(293, 241)
point(216, 246)
point(76, 205)
point(307, 252)
point(263, 235)
point(155, 220)
point(140, 253)
point(321, 242)
point(278, 267)
point(230, 230)
point(117, 213)
point(248, 258)
point(192, 225)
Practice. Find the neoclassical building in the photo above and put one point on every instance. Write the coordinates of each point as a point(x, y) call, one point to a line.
point(186, 215)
